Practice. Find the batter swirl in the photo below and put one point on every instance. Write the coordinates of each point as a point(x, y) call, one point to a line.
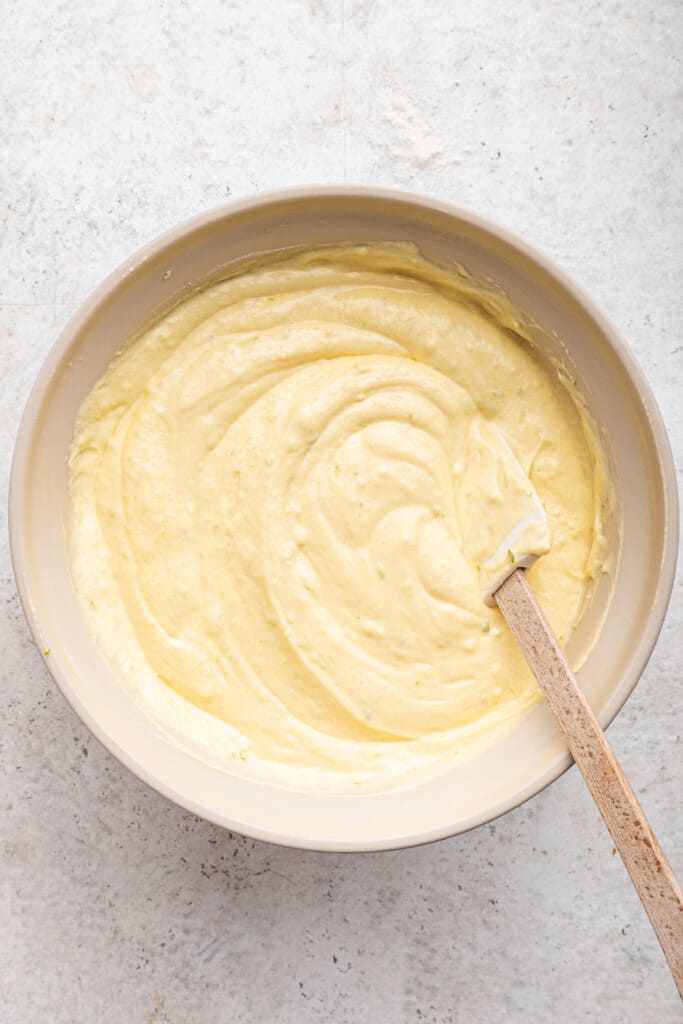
point(281, 495)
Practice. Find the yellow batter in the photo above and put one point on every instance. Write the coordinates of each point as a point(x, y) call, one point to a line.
point(281, 496)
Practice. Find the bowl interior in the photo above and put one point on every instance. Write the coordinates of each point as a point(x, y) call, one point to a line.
point(531, 753)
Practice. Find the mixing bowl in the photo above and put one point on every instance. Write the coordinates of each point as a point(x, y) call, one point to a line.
point(631, 605)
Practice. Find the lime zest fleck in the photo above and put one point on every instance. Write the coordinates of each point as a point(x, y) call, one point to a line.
point(485, 627)
point(511, 556)
point(46, 652)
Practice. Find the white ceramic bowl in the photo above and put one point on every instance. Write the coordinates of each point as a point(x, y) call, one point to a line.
point(531, 754)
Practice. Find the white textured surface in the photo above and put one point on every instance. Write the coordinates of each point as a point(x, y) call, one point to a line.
point(564, 122)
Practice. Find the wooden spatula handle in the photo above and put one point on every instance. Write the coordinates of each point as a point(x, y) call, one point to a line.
point(647, 865)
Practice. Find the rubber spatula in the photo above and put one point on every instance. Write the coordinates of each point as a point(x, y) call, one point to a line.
point(517, 533)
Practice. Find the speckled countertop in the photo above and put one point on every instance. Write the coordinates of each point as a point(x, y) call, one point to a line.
point(564, 122)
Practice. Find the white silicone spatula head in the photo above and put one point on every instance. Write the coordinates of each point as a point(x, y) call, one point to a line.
point(502, 518)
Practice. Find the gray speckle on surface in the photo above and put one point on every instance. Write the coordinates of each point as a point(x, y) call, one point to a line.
point(564, 122)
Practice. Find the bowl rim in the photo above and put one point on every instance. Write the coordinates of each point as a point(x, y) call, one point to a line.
point(26, 436)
